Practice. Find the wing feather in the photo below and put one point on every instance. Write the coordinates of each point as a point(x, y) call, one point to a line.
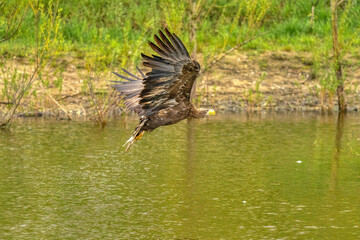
point(177, 45)
point(158, 50)
point(130, 91)
point(123, 77)
point(167, 42)
point(142, 74)
point(169, 81)
point(131, 74)
point(183, 48)
point(163, 46)
point(172, 74)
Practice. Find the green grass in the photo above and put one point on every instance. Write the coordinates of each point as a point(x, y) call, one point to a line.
point(118, 30)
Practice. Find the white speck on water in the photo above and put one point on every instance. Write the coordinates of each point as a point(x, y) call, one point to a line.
point(244, 202)
point(311, 227)
point(271, 228)
point(336, 227)
point(271, 213)
point(345, 211)
point(299, 161)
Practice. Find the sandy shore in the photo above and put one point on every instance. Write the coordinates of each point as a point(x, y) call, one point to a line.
point(249, 81)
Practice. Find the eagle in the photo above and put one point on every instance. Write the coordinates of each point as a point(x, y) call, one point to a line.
point(162, 96)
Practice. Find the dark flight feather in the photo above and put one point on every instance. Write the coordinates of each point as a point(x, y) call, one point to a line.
point(172, 74)
point(131, 74)
point(167, 42)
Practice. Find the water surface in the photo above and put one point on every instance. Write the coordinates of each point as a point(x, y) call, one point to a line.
point(294, 176)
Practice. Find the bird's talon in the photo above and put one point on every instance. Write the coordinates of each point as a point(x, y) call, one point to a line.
point(140, 135)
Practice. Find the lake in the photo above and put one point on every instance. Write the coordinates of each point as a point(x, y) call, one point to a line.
point(269, 176)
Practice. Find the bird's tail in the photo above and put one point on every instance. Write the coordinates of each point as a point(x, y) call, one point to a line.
point(137, 135)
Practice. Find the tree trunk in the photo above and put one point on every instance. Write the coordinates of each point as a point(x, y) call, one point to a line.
point(193, 26)
point(337, 57)
point(312, 17)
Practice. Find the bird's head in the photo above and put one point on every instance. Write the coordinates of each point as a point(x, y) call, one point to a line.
point(200, 113)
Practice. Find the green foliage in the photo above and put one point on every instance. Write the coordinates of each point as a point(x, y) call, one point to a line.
point(47, 39)
point(13, 81)
point(111, 34)
point(124, 26)
point(254, 97)
point(12, 15)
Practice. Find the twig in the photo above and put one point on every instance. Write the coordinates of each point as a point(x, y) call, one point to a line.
point(231, 50)
point(16, 30)
point(112, 103)
point(312, 18)
point(339, 3)
point(93, 98)
point(9, 115)
point(58, 104)
point(70, 95)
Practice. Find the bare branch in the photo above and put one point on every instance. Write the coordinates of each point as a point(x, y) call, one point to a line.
point(232, 49)
point(16, 30)
point(338, 3)
point(6, 103)
point(58, 104)
point(9, 115)
point(70, 95)
point(315, 3)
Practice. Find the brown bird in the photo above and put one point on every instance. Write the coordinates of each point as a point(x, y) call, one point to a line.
point(161, 96)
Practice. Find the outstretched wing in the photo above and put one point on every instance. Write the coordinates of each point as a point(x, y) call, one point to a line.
point(172, 75)
point(169, 82)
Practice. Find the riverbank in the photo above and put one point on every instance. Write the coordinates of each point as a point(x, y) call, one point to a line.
point(243, 81)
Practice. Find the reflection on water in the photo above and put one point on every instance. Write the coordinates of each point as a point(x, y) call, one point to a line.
point(273, 177)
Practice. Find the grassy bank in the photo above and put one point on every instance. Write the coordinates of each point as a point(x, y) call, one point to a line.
point(119, 30)
point(51, 40)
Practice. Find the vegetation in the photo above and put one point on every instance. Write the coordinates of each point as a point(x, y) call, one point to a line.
point(47, 39)
point(110, 34)
point(126, 25)
point(338, 54)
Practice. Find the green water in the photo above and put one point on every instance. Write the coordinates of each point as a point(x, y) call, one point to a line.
point(227, 177)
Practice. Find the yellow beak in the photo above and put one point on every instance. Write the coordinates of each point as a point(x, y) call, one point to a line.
point(211, 112)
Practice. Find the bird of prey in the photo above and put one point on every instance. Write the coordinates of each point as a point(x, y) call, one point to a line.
point(162, 95)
